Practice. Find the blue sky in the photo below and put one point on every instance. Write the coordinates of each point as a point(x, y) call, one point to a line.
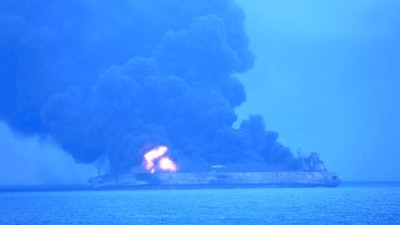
point(327, 78)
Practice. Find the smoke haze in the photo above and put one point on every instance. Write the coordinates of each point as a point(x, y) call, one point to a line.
point(37, 161)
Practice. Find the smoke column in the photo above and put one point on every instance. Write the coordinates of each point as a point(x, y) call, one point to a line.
point(110, 80)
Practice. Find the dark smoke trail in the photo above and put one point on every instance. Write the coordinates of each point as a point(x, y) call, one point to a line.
point(111, 79)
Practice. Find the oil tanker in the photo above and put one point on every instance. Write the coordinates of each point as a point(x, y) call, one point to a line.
point(312, 173)
point(166, 180)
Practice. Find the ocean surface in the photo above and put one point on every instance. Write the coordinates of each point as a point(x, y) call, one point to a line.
point(347, 204)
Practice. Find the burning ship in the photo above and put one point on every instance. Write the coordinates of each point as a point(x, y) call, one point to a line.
point(162, 173)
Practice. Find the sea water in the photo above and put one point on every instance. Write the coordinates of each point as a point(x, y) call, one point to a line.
point(347, 204)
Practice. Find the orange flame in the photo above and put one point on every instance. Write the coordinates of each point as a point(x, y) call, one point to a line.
point(165, 163)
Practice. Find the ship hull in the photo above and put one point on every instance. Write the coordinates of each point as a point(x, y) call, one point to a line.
point(215, 180)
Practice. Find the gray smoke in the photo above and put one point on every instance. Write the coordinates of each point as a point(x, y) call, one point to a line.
point(113, 79)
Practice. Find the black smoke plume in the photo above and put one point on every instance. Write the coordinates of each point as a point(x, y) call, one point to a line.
point(111, 79)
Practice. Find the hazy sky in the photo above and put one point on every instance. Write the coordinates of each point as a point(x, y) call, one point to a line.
point(327, 79)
